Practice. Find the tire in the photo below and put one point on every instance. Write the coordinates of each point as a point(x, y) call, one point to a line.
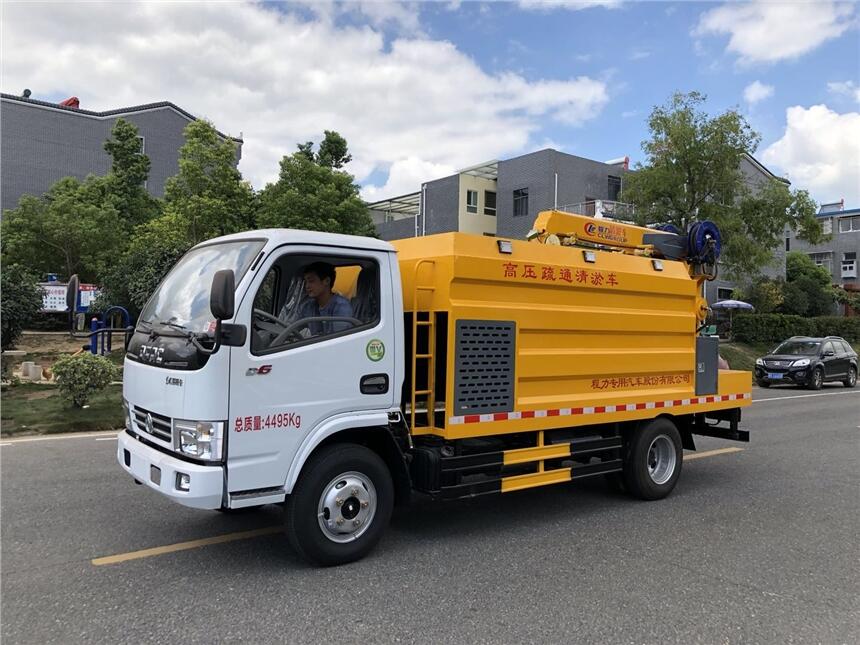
point(851, 381)
point(762, 383)
point(369, 502)
point(816, 380)
point(657, 441)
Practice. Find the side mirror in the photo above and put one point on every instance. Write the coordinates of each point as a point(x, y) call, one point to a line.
point(221, 298)
point(72, 293)
point(829, 352)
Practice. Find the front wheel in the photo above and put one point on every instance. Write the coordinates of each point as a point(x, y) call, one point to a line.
point(851, 381)
point(817, 379)
point(762, 383)
point(654, 460)
point(340, 505)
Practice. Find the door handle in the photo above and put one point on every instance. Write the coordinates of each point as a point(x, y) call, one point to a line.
point(374, 384)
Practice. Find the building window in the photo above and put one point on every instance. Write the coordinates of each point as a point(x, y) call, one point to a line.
point(614, 188)
point(822, 260)
point(849, 264)
point(471, 201)
point(788, 244)
point(724, 294)
point(141, 145)
point(521, 202)
point(849, 224)
point(489, 203)
point(827, 225)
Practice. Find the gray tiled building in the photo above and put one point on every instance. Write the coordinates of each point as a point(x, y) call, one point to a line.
point(840, 254)
point(502, 197)
point(42, 142)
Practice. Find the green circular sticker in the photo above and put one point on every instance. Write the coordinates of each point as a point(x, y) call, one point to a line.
point(375, 350)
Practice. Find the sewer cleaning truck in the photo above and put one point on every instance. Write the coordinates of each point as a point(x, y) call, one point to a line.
point(341, 375)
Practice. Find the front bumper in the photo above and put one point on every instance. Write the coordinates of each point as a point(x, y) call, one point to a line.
point(798, 376)
point(159, 471)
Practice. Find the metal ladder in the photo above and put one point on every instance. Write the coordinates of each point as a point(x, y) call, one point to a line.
point(427, 327)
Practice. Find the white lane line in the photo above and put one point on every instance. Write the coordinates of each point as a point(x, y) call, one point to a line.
point(108, 439)
point(6, 444)
point(65, 436)
point(802, 396)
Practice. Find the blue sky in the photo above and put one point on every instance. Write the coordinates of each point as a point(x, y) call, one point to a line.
point(422, 89)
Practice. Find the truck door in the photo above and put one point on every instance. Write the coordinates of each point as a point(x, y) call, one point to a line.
point(321, 343)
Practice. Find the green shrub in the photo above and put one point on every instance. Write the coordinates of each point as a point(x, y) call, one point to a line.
point(20, 304)
point(81, 376)
point(774, 328)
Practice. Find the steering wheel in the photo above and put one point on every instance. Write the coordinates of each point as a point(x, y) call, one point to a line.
point(269, 317)
point(292, 328)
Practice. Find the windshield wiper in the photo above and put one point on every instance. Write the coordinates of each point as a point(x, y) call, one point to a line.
point(168, 323)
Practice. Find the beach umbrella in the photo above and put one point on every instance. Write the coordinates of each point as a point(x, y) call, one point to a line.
point(731, 305)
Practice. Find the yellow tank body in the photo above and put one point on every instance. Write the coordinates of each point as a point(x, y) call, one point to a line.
point(612, 339)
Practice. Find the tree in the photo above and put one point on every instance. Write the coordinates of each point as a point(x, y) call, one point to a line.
point(765, 294)
point(128, 174)
point(694, 172)
point(153, 250)
point(809, 283)
point(20, 304)
point(73, 228)
point(333, 151)
point(208, 194)
point(312, 194)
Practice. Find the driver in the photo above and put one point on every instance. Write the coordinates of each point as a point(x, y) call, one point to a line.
point(319, 280)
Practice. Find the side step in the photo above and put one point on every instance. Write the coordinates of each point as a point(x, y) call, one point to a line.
point(443, 476)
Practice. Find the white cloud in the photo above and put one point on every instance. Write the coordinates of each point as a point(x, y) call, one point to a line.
point(279, 78)
point(406, 176)
point(757, 91)
point(765, 32)
point(820, 151)
point(571, 5)
point(845, 88)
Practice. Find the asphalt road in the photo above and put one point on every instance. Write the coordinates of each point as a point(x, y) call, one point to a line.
point(753, 546)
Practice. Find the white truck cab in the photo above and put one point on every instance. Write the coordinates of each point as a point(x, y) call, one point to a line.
point(227, 421)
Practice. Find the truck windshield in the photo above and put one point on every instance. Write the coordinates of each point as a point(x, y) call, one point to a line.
point(182, 299)
point(799, 347)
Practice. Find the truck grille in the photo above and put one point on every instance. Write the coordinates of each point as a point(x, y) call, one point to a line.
point(156, 425)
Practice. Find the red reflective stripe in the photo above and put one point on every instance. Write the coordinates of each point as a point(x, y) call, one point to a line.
point(576, 411)
point(640, 406)
point(660, 404)
point(553, 413)
point(598, 409)
point(528, 414)
point(676, 402)
point(500, 416)
point(472, 418)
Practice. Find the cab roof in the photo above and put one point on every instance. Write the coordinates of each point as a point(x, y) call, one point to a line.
point(280, 236)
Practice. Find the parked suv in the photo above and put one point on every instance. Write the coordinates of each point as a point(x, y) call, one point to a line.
point(808, 361)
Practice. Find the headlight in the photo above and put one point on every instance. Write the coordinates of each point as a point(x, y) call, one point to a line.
point(758, 361)
point(126, 415)
point(201, 439)
point(803, 362)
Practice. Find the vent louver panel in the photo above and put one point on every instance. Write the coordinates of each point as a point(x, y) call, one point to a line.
point(484, 367)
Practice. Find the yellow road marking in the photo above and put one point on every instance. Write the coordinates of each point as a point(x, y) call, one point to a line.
point(184, 546)
point(710, 453)
point(270, 530)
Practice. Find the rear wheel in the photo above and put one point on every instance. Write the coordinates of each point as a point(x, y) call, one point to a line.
point(851, 381)
point(816, 380)
point(654, 460)
point(340, 505)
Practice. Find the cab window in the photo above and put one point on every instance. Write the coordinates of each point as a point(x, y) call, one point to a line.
point(306, 299)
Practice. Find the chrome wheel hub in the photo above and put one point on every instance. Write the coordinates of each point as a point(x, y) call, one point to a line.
point(346, 507)
point(661, 459)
